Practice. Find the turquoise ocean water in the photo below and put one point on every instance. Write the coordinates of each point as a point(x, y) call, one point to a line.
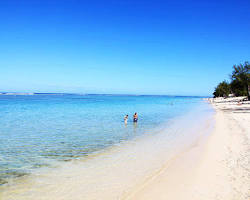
point(37, 130)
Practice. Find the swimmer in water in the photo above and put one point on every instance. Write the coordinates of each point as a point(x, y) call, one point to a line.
point(135, 117)
point(126, 119)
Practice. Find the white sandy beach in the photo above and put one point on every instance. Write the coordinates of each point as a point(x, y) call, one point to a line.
point(215, 168)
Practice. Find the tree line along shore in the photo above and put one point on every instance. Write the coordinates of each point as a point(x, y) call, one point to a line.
point(239, 84)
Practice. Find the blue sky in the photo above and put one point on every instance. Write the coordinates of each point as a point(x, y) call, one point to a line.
point(132, 47)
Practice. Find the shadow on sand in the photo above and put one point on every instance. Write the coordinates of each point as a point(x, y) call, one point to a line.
point(237, 110)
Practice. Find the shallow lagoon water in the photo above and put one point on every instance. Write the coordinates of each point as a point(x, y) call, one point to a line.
point(37, 130)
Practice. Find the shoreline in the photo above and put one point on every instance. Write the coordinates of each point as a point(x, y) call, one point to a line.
point(214, 168)
point(208, 160)
point(114, 174)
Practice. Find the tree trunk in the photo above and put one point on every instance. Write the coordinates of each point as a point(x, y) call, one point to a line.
point(248, 92)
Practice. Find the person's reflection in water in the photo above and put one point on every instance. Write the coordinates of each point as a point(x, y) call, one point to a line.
point(135, 127)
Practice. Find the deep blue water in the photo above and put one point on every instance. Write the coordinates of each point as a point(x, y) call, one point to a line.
point(38, 129)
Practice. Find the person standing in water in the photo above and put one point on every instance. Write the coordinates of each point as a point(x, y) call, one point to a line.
point(126, 119)
point(135, 117)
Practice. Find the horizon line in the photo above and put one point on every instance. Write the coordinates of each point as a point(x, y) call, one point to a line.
point(106, 94)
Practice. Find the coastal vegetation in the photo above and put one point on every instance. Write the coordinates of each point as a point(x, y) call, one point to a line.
point(239, 84)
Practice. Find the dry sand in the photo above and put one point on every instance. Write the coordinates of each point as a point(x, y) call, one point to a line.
point(216, 167)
